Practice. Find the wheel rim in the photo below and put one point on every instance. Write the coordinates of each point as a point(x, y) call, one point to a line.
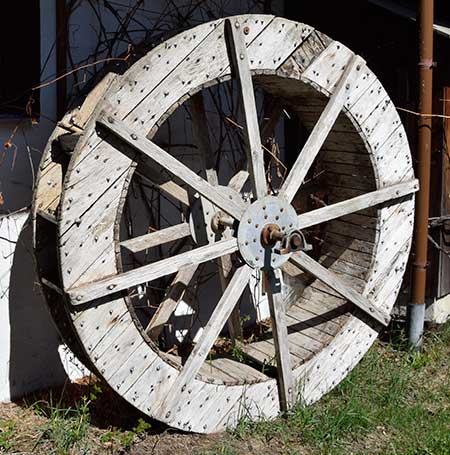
point(107, 330)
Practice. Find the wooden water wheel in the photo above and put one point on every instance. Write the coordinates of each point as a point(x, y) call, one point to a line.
point(162, 261)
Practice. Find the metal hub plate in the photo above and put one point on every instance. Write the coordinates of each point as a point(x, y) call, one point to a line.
point(269, 210)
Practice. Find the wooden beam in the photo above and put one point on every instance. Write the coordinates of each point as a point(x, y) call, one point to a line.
point(202, 139)
point(156, 238)
point(170, 302)
point(306, 263)
point(148, 148)
point(280, 337)
point(210, 333)
point(356, 204)
point(238, 180)
point(169, 187)
point(323, 127)
point(150, 272)
point(241, 68)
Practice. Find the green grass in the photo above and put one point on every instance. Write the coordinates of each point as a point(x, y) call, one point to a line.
point(393, 402)
point(65, 429)
point(6, 434)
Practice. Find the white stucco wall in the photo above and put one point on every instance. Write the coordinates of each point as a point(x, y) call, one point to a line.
point(29, 358)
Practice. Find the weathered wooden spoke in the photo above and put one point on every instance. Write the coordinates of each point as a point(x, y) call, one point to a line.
point(170, 302)
point(150, 272)
point(241, 67)
point(172, 165)
point(169, 187)
point(280, 337)
point(323, 127)
point(238, 180)
point(303, 261)
point(157, 238)
point(220, 315)
point(202, 139)
point(356, 204)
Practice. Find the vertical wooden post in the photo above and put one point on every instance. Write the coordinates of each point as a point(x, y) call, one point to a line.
point(444, 260)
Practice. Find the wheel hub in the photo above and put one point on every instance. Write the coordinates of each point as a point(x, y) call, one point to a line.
point(265, 231)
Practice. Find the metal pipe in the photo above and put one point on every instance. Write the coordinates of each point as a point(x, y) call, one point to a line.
point(416, 310)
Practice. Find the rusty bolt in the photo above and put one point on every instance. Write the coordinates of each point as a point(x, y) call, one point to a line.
point(246, 30)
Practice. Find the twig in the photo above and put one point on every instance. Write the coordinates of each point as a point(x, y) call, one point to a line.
point(438, 220)
point(82, 67)
point(436, 245)
point(418, 114)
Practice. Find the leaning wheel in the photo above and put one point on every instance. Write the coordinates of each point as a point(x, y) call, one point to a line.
point(220, 275)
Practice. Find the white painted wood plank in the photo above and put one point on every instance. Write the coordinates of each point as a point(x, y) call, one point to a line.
point(202, 139)
point(323, 127)
point(169, 187)
point(156, 238)
point(280, 338)
point(282, 34)
point(210, 333)
point(175, 167)
point(308, 264)
point(205, 65)
point(142, 78)
point(239, 371)
point(238, 180)
point(150, 272)
point(241, 69)
point(170, 302)
point(356, 204)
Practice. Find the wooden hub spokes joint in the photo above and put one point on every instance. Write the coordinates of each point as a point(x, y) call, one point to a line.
point(241, 233)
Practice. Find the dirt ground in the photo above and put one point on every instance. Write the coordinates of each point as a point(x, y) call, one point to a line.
point(55, 422)
point(394, 402)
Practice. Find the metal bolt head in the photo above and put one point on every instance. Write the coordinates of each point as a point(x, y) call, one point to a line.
point(110, 119)
point(246, 30)
point(241, 56)
point(134, 136)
